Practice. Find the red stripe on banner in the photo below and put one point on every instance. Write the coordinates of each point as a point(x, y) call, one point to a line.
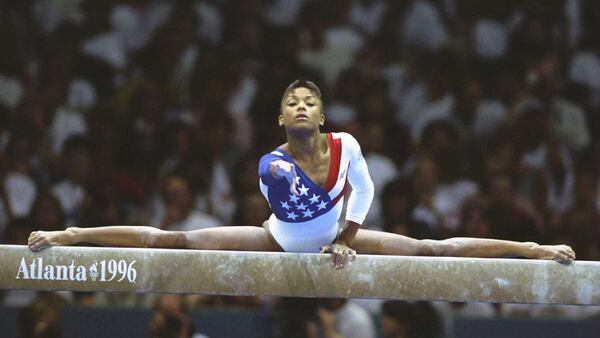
point(335, 154)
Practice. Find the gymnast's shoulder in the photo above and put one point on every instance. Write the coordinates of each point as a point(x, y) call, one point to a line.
point(347, 140)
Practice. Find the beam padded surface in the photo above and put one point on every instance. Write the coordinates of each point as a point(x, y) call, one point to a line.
point(299, 275)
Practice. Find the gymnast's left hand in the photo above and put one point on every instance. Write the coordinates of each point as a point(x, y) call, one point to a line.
point(561, 253)
point(341, 254)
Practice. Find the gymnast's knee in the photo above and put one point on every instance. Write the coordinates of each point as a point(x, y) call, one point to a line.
point(198, 240)
point(157, 238)
point(432, 247)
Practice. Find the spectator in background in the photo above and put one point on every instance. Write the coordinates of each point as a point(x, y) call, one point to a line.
point(40, 319)
point(512, 216)
point(395, 319)
point(46, 212)
point(69, 119)
point(476, 218)
point(424, 181)
point(368, 15)
point(567, 120)
point(480, 113)
point(18, 190)
point(16, 231)
point(401, 319)
point(397, 204)
point(224, 156)
point(6, 128)
point(423, 26)
point(71, 190)
point(98, 207)
point(330, 44)
point(500, 156)
point(583, 218)
point(298, 317)
point(442, 143)
point(377, 161)
point(252, 209)
point(170, 319)
point(176, 149)
point(433, 98)
point(556, 183)
point(330, 318)
point(342, 109)
point(179, 213)
point(244, 182)
point(13, 63)
point(340, 318)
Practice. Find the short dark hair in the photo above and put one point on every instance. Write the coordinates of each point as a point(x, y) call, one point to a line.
point(303, 84)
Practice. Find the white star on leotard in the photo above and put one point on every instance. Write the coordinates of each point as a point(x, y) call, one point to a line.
point(291, 215)
point(322, 205)
point(307, 213)
point(314, 199)
point(301, 206)
point(303, 190)
point(285, 205)
point(294, 198)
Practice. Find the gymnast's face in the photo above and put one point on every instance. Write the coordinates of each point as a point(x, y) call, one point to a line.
point(301, 109)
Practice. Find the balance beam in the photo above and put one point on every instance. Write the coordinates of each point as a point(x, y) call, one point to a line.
point(299, 275)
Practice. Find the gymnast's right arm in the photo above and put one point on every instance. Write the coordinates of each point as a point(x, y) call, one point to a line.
point(271, 168)
point(124, 236)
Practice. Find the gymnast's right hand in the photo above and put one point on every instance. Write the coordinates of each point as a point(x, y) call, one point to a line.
point(280, 168)
point(39, 240)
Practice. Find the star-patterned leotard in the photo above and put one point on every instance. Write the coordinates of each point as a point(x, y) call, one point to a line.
point(308, 221)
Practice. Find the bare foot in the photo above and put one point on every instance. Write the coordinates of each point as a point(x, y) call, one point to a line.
point(560, 253)
point(39, 240)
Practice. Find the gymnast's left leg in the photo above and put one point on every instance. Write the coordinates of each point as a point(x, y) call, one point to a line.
point(383, 243)
point(248, 238)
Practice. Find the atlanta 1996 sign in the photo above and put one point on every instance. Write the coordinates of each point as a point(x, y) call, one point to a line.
point(103, 271)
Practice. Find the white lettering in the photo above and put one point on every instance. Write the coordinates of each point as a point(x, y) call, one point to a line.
point(61, 272)
point(32, 274)
point(81, 276)
point(39, 266)
point(72, 271)
point(23, 270)
point(49, 272)
point(37, 270)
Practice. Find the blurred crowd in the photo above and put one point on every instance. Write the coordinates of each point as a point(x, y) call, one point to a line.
point(476, 118)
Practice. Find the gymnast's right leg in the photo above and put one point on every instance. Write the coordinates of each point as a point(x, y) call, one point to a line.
point(383, 243)
point(244, 238)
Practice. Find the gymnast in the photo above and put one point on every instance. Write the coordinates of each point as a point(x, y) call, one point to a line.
point(304, 182)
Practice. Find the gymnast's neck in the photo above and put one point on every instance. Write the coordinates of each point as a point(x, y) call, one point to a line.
point(306, 145)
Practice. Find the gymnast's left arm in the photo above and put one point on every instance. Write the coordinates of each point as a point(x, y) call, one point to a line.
point(359, 203)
